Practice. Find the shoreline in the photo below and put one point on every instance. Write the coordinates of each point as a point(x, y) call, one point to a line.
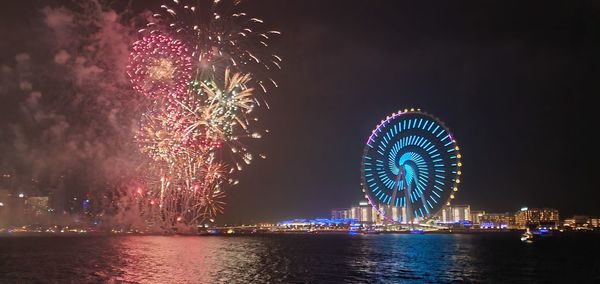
point(243, 233)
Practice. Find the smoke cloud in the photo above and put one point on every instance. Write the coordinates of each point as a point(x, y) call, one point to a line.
point(68, 109)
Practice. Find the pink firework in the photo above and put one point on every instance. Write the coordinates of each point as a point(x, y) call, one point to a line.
point(160, 66)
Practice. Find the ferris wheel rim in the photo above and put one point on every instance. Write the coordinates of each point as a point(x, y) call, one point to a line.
point(365, 189)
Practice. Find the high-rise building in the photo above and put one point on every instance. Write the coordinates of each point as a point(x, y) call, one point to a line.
point(476, 216)
point(455, 214)
point(340, 213)
point(7, 180)
point(4, 207)
point(57, 200)
point(12, 209)
point(364, 213)
point(594, 222)
point(542, 217)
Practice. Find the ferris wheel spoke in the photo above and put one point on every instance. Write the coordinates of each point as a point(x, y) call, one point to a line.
point(413, 152)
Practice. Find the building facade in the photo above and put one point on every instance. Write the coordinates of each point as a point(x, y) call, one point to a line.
point(496, 221)
point(340, 213)
point(364, 213)
point(476, 216)
point(455, 214)
point(579, 222)
point(539, 217)
point(4, 207)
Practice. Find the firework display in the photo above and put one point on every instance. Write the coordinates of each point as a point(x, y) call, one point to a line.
point(220, 36)
point(197, 66)
point(160, 66)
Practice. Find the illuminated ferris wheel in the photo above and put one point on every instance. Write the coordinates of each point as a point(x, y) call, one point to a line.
point(410, 167)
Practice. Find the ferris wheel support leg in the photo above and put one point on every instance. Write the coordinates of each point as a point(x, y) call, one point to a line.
point(409, 218)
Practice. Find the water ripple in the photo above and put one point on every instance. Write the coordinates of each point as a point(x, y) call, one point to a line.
point(297, 259)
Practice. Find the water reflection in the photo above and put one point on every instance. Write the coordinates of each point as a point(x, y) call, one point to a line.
point(296, 259)
point(302, 258)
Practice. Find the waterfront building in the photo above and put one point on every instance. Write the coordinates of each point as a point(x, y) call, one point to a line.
point(496, 221)
point(541, 217)
point(57, 198)
point(364, 213)
point(7, 180)
point(569, 223)
point(594, 222)
point(476, 216)
point(455, 214)
point(340, 213)
point(312, 224)
point(581, 222)
point(4, 207)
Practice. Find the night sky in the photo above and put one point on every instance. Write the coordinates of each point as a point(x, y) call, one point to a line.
point(515, 83)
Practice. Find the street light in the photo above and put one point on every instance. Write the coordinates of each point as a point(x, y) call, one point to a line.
point(21, 195)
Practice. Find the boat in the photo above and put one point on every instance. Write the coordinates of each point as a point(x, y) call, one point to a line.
point(531, 235)
point(527, 237)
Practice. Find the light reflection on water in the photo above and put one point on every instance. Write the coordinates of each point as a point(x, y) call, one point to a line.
point(294, 259)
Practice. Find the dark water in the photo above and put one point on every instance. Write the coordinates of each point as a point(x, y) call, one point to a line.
point(498, 258)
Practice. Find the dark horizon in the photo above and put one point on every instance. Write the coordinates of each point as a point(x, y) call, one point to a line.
point(512, 81)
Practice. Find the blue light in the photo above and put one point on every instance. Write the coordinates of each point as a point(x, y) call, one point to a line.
point(409, 145)
point(431, 125)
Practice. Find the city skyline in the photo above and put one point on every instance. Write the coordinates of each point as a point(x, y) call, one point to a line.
point(306, 141)
point(523, 143)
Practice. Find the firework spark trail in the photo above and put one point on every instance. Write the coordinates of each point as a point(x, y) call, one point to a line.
point(221, 36)
point(160, 66)
point(196, 67)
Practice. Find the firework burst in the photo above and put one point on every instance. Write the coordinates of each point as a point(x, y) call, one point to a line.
point(221, 36)
point(160, 66)
point(197, 67)
point(222, 110)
